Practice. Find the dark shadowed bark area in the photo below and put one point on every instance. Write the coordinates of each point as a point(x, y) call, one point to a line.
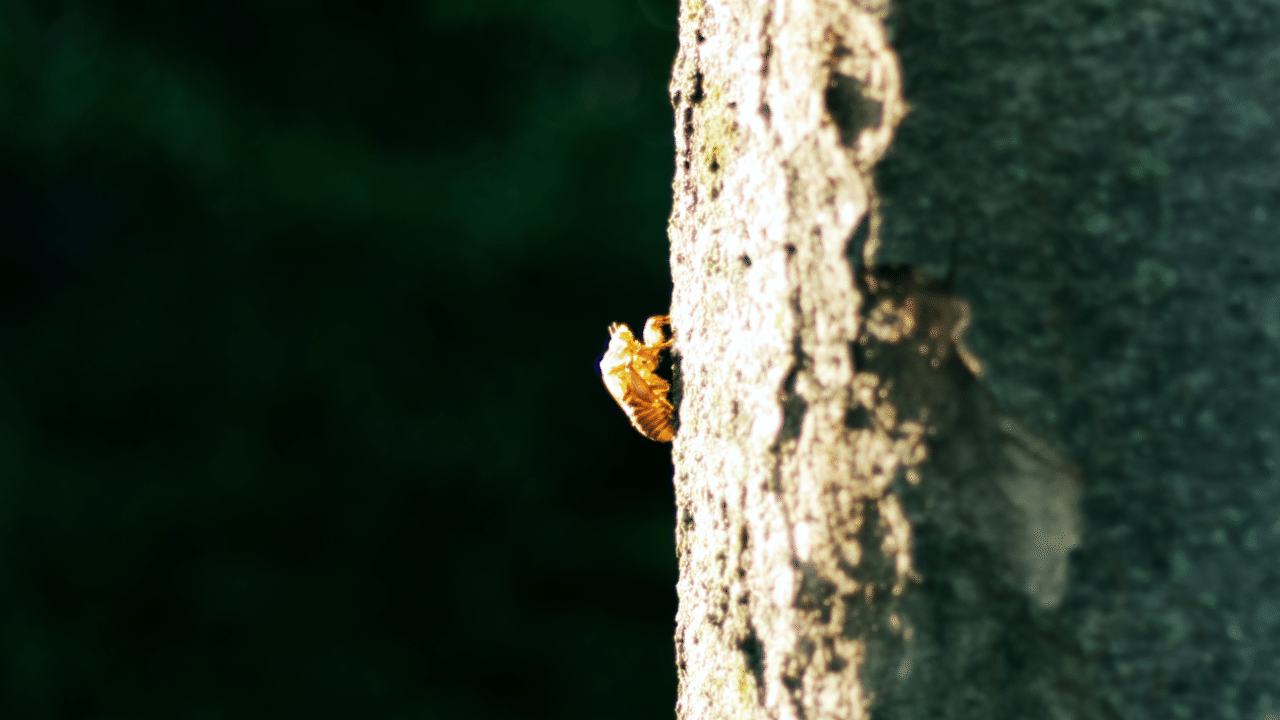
point(1105, 175)
point(876, 519)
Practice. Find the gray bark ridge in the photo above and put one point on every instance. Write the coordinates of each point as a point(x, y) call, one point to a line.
point(860, 532)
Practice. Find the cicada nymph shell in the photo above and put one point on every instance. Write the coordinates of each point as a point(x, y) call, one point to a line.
point(629, 367)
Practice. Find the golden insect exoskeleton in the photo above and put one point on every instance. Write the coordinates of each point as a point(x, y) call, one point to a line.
point(629, 368)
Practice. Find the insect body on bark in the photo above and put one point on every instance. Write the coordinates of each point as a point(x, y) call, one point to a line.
point(628, 369)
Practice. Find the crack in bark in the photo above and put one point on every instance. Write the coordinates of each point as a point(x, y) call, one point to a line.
point(846, 101)
point(752, 650)
point(794, 406)
point(766, 55)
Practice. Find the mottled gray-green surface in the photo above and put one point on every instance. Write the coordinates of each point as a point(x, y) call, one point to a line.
point(1101, 178)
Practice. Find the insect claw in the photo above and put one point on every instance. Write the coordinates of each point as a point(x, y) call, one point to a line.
point(653, 334)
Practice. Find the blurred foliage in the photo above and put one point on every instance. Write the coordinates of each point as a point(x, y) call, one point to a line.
point(299, 308)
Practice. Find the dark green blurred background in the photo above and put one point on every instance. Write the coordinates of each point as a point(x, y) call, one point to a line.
point(299, 309)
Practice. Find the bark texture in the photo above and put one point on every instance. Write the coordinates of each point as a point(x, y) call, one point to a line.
point(861, 531)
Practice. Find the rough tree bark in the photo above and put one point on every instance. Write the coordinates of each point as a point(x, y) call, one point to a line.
point(861, 532)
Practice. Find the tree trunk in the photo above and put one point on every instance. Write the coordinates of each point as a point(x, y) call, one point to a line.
point(861, 531)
